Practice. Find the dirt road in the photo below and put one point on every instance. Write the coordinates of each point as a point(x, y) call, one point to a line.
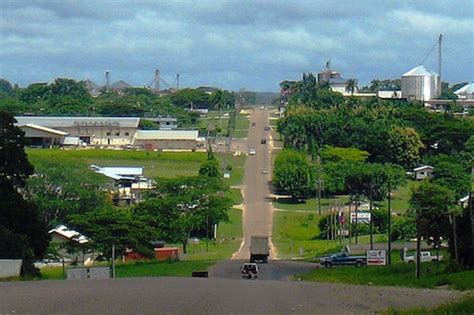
point(257, 216)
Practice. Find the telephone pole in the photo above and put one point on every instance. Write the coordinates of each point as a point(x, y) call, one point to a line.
point(389, 247)
point(371, 218)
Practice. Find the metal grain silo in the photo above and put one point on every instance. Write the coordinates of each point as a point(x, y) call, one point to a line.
point(420, 84)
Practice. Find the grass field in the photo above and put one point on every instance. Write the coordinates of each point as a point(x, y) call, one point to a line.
point(465, 306)
point(397, 274)
point(401, 196)
point(241, 126)
point(310, 204)
point(295, 234)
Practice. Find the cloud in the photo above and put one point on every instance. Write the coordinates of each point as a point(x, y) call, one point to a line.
point(230, 44)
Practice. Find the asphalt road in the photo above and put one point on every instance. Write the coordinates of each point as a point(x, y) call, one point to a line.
point(257, 215)
point(170, 295)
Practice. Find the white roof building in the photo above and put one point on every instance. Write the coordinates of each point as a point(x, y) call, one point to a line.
point(420, 84)
point(69, 234)
point(466, 92)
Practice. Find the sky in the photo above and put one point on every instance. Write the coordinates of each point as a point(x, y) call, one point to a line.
point(231, 44)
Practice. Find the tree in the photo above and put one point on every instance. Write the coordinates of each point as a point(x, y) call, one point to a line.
point(291, 174)
point(179, 207)
point(217, 102)
point(405, 145)
point(5, 87)
point(335, 154)
point(430, 206)
point(22, 233)
point(210, 167)
point(351, 86)
point(452, 176)
point(121, 228)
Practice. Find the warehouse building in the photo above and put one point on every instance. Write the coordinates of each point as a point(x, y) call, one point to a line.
point(168, 139)
point(47, 131)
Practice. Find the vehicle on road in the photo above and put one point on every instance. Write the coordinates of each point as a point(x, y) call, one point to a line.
point(264, 171)
point(342, 258)
point(262, 107)
point(424, 257)
point(249, 270)
point(252, 152)
point(254, 124)
point(259, 249)
point(267, 128)
point(263, 141)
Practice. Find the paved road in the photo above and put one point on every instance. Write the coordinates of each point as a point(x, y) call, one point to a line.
point(169, 295)
point(274, 270)
point(257, 216)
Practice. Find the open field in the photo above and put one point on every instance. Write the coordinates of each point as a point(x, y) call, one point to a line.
point(295, 234)
point(241, 126)
point(398, 274)
point(401, 196)
point(310, 204)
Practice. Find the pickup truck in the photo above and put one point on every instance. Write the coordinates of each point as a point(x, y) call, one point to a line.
point(425, 256)
point(342, 259)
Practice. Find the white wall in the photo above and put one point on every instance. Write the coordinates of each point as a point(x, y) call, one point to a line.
point(10, 268)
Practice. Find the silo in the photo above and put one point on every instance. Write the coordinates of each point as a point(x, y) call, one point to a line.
point(420, 84)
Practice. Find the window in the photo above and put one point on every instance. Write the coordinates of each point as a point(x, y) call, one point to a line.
point(167, 122)
point(108, 133)
point(127, 134)
point(117, 133)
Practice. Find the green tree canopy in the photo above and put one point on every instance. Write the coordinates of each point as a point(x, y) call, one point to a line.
point(292, 174)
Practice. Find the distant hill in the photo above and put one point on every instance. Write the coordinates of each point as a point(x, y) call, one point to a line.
point(266, 97)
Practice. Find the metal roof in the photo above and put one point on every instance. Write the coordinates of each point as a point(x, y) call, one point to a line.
point(58, 122)
point(45, 129)
point(423, 167)
point(69, 234)
point(419, 71)
point(166, 135)
point(468, 89)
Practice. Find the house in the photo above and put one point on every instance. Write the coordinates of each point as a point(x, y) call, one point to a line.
point(424, 171)
point(47, 131)
point(464, 201)
point(129, 183)
point(165, 123)
point(62, 235)
point(168, 139)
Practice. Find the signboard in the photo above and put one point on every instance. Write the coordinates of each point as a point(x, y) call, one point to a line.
point(376, 257)
point(362, 217)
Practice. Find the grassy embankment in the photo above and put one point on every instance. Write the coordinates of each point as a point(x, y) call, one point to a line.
point(159, 165)
point(464, 306)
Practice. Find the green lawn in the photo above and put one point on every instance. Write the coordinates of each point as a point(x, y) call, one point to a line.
point(310, 204)
point(241, 126)
point(397, 274)
point(238, 168)
point(295, 234)
point(465, 306)
point(401, 196)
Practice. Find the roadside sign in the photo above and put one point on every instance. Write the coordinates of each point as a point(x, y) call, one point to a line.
point(362, 217)
point(376, 257)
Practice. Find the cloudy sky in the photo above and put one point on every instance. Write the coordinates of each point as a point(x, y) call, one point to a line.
point(231, 44)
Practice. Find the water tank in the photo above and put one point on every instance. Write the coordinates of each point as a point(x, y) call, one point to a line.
point(420, 84)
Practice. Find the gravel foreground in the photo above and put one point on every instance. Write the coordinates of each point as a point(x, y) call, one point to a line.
point(172, 295)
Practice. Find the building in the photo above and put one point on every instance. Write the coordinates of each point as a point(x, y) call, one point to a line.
point(168, 139)
point(119, 86)
point(43, 136)
point(115, 131)
point(389, 94)
point(334, 79)
point(62, 235)
point(420, 84)
point(165, 123)
point(424, 171)
point(466, 92)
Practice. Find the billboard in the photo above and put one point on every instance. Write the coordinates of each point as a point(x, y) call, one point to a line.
point(376, 257)
point(362, 217)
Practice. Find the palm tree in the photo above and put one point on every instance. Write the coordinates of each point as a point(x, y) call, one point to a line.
point(217, 102)
point(351, 86)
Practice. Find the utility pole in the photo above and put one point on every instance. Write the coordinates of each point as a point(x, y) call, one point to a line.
point(356, 221)
point(157, 80)
point(177, 82)
point(371, 218)
point(350, 221)
point(418, 244)
point(440, 40)
point(113, 260)
point(389, 247)
point(318, 163)
point(471, 210)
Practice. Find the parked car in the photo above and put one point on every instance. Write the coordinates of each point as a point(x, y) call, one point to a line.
point(252, 152)
point(249, 270)
point(264, 171)
point(342, 258)
point(425, 256)
point(262, 107)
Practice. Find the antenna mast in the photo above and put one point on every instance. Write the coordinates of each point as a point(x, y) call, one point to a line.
point(177, 82)
point(157, 80)
point(107, 80)
point(440, 40)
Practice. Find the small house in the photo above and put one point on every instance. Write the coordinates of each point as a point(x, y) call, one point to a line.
point(424, 171)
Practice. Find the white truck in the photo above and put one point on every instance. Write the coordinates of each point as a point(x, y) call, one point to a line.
point(424, 256)
point(259, 249)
